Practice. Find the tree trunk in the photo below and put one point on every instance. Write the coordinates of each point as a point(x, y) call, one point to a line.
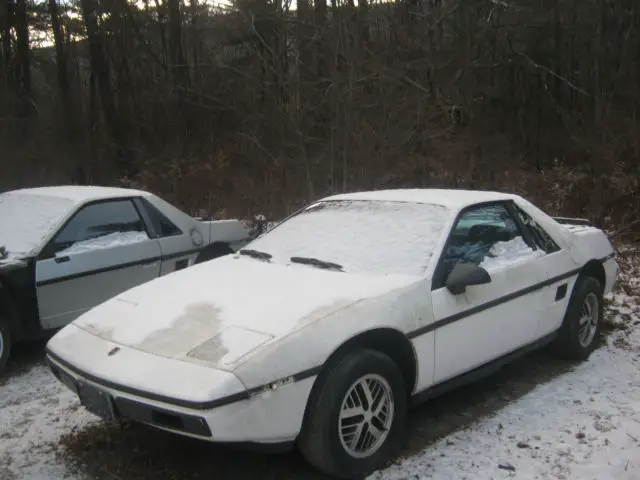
point(62, 69)
point(22, 62)
point(101, 73)
point(6, 22)
point(178, 63)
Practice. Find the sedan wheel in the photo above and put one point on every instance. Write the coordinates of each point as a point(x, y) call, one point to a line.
point(5, 343)
point(354, 422)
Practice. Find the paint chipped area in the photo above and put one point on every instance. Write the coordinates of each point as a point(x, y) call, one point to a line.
point(218, 312)
point(229, 346)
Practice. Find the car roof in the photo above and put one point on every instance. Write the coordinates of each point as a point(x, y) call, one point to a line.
point(81, 193)
point(451, 198)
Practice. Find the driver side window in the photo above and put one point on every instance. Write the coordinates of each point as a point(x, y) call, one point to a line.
point(99, 226)
point(487, 236)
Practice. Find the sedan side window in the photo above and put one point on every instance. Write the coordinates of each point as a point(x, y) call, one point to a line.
point(487, 236)
point(162, 225)
point(99, 226)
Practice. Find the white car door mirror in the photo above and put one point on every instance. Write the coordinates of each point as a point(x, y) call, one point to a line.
point(464, 275)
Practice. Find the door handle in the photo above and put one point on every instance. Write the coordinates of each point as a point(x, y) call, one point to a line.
point(61, 259)
point(150, 265)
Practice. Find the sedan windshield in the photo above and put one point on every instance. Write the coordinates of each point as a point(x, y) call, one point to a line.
point(359, 236)
point(26, 219)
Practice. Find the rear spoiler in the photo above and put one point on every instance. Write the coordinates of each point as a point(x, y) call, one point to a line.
point(573, 221)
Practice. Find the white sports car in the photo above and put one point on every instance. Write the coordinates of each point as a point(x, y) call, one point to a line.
point(323, 330)
point(66, 249)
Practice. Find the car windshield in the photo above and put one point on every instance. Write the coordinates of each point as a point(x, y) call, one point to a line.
point(26, 219)
point(360, 236)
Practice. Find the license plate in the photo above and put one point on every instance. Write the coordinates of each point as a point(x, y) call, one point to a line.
point(96, 401)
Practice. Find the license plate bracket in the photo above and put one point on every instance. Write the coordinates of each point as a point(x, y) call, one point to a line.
point(97, 401)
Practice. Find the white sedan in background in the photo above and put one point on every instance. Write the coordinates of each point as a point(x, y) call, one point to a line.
point(64, 250)
point(323, 330)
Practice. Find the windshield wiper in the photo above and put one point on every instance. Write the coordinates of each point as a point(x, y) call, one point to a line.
point(255, 254)
point(316, 263)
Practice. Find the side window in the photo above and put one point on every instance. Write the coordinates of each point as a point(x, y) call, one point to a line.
point(487, 236)
point(161, 224)
point(99, 226)
point(541, 238)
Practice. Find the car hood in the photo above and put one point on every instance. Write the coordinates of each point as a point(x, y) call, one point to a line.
point(217, 313)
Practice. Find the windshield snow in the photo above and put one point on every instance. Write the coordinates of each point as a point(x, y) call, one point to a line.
point(26, 219)
point(361, 236)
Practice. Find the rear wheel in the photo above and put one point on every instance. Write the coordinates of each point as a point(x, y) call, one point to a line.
point(5, 342)
point(355, 421)
point(580, 329)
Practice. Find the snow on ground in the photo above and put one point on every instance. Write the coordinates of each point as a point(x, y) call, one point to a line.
point(34, 412)
point(582, 425)
point(538, 419)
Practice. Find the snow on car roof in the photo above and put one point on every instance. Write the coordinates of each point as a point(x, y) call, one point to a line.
point(445, 197)
point(81, 193)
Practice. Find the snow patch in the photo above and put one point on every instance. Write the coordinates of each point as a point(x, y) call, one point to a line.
point(507, 253)
point(27, 219)
point(111, 240)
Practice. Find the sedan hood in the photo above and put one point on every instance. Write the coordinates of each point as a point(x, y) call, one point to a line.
point(218, 312)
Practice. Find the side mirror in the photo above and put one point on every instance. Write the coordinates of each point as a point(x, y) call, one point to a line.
point(464, 275)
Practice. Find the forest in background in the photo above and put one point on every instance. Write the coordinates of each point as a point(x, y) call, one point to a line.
point(260, 107)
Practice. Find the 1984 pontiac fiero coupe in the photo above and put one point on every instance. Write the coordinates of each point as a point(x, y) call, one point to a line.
point(323, 330)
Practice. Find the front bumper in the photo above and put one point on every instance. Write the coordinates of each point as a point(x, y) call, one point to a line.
point(270, 416)
point(111, 406)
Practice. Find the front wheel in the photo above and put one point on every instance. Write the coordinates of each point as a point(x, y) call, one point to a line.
point(355, 421)
point(580, 329)
point(5, 343)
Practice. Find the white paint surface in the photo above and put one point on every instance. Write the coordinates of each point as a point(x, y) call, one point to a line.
point(165, 318)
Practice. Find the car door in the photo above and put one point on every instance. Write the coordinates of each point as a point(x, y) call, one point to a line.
point(103, 250)
point(489, 320)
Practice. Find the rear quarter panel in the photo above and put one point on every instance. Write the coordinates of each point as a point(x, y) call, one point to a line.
point(591, 243)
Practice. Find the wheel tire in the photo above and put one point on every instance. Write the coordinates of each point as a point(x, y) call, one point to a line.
point(5, 343)
point(214, 251)
point(574, 342)
point(320, 440)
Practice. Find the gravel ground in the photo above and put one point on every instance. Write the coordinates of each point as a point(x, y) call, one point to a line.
point(537, 418)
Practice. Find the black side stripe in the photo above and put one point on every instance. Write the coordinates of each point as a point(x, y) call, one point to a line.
point(97, 271)
point(493, 303)
point(53, 359)
point(119, 266)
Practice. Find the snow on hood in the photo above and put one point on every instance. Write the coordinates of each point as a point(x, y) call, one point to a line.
point(219, 311)
point(27, 219)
